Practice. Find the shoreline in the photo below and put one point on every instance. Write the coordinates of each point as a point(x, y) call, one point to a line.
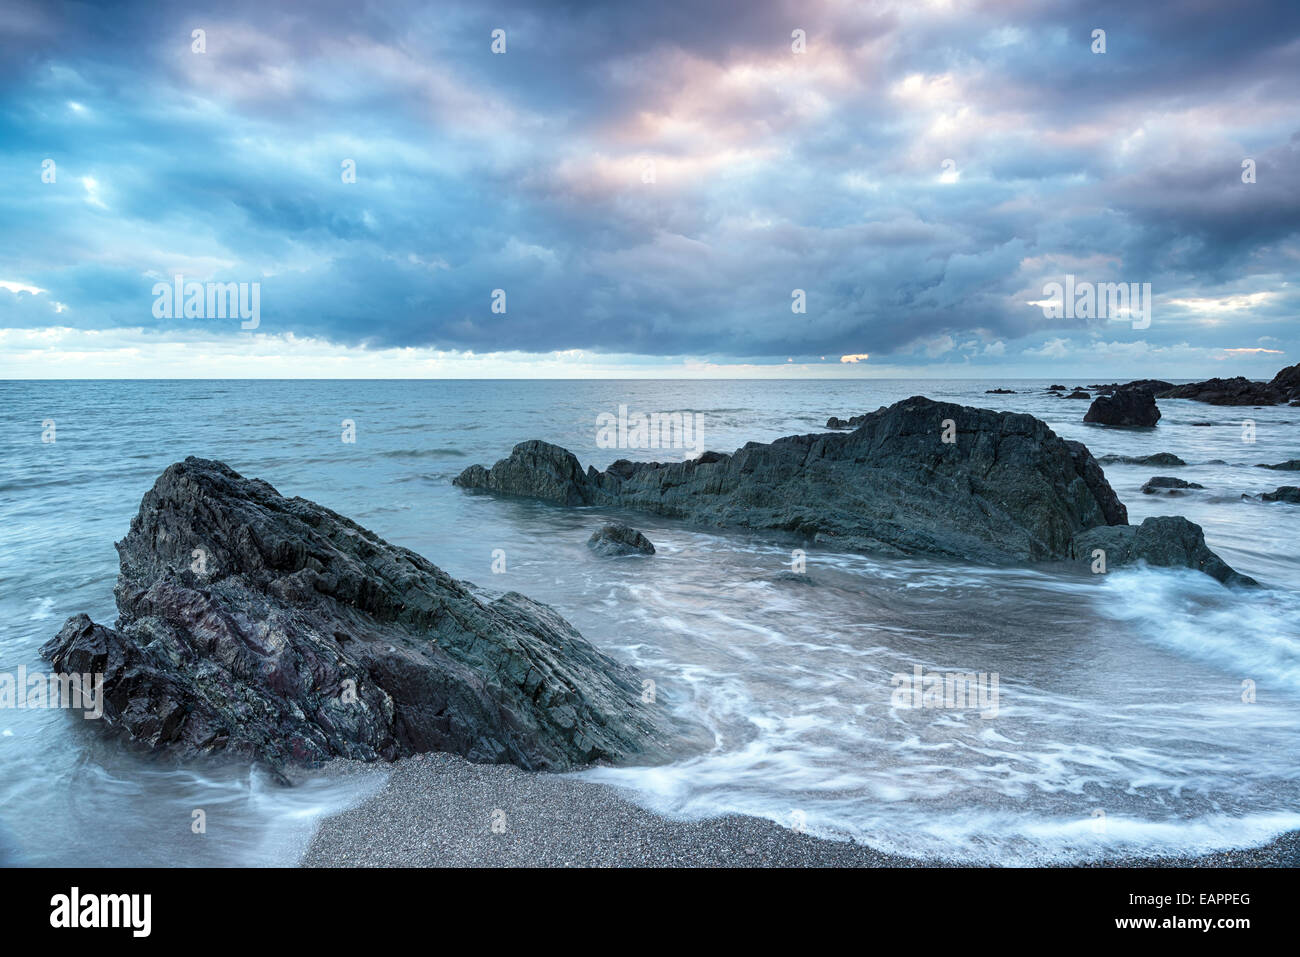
point(437, 810)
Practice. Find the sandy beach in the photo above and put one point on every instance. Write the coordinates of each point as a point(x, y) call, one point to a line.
point(437, 810)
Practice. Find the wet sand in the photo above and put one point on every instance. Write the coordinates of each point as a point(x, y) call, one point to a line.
point(437, 810)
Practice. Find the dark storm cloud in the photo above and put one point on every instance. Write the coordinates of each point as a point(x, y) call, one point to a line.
point(772, 171)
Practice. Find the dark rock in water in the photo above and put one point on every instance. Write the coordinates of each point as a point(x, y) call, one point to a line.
point(1157, 458)
point(1078, 394)
point(999, 391)
point(1129, 408)
point(1154, 386)
point(1202, 424)
point(1008, 488)
point(1290, 465)
point(1168, 541)
point(1235, 391)
point(619, 540)
point(274, 628)
point(1283, 388)
point(1167, 483)
point(1287, 493)
point(837, 423)
point(1056, 388)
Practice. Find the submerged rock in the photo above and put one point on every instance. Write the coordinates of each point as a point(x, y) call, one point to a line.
point(1007, 489)
point(1167, 541)
point(1167, 483)
point(1127, 408)
point(999, 391)
point(619, 540)
point(274, 628)
point(1156, 458)
point(1287, 493)
point(1290, 465)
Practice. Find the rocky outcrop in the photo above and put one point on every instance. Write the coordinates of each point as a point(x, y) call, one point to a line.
point(1290, 465)
point(619, 540)
point(1006, 489)
point(1283, 388)
point(1168, 484)
point(999, 391)
point(272, 627)
point(1078, 394)
point(1168, 541)
point(1287, 493)
point(1125, 408)
point(1154, 386)
point(1167, 459)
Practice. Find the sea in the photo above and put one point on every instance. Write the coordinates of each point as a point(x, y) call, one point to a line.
point(1139, 711)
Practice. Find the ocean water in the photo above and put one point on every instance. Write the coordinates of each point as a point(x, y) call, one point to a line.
point(1120, 727)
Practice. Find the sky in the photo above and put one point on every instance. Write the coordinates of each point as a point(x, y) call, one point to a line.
point(670, 189)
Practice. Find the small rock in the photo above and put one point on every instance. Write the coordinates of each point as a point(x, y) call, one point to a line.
point(1287, 493)
point(617, 539)
point(1167, 483)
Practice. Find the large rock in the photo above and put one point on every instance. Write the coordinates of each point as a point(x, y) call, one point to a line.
point(1128, 408)
point(1168, 541)
point(1008, 489)
point(1290, 465)
point(275, 628)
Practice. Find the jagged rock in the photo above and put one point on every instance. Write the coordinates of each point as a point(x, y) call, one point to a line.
point(1167, 541)
point(835, 422)
point(274, 628)
point(1127, 408)
point(1008, 488)
point(999, 391)
point(1056, 388)
point(1168, 484)
point(619, 540)
point(1287, 493)
point(1290, 465)
point(1167, 459)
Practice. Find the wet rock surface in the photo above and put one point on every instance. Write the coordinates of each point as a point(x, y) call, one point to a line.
point(1166, 541)
point(1126, 408)
point(1007, 488)
point(1156, 458)
point(272, 627)
point(1168, 484)
point(619, 540)
point(1286, 493)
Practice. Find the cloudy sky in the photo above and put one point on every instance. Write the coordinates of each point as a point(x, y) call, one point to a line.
point(649, 184)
